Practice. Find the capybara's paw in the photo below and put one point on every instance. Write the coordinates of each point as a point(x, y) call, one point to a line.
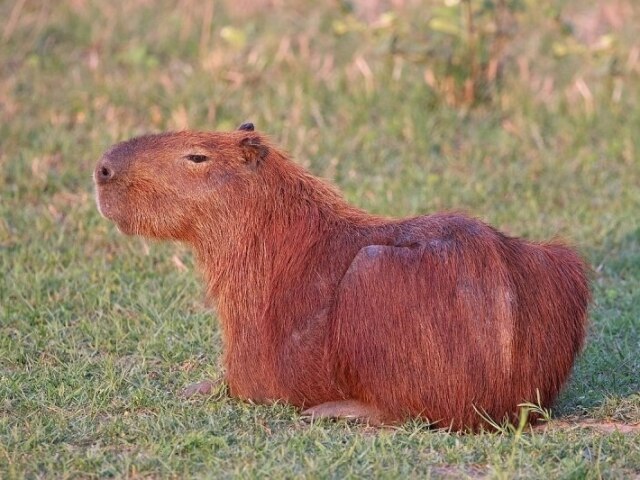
point(205, 387)
point(347, 409)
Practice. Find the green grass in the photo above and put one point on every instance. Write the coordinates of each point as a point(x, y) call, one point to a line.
point(99, 333)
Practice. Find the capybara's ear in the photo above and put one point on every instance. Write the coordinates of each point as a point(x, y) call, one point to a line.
point(254, 150)
point(247, 126)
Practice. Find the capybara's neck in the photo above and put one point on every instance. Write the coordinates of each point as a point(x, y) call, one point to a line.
point(276, 227)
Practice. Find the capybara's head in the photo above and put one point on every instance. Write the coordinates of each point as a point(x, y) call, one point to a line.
point(162, 185)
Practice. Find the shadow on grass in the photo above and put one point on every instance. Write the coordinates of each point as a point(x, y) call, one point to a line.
point(605, 379)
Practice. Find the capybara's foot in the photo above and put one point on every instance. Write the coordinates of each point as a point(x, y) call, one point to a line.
point(347, 409)
point(205, 387)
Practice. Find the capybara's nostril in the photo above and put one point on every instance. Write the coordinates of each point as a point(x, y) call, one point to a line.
point(104, 173)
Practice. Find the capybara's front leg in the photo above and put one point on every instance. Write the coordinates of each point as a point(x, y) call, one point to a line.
point(206, 387)
point(347, 409)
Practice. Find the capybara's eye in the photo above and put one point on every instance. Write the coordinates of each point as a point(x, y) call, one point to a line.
point(197, 158)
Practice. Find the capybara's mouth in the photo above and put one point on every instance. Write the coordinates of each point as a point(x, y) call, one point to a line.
point(106, 205)
point(110, 207)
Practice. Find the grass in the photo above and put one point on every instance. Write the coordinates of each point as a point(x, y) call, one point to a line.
point(99, 333)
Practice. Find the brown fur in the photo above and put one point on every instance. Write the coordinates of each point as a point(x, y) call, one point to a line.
point(438, 316)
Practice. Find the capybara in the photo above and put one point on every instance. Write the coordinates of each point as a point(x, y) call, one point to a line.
point(347, 314)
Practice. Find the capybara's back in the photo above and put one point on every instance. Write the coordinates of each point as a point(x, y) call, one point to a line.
point(344, 313)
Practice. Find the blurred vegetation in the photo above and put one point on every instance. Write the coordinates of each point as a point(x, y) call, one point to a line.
point(524, 113)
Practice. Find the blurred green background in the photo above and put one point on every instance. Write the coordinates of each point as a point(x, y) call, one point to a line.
point(523, 113)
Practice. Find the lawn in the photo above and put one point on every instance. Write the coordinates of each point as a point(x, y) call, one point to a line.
point(529, 120)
